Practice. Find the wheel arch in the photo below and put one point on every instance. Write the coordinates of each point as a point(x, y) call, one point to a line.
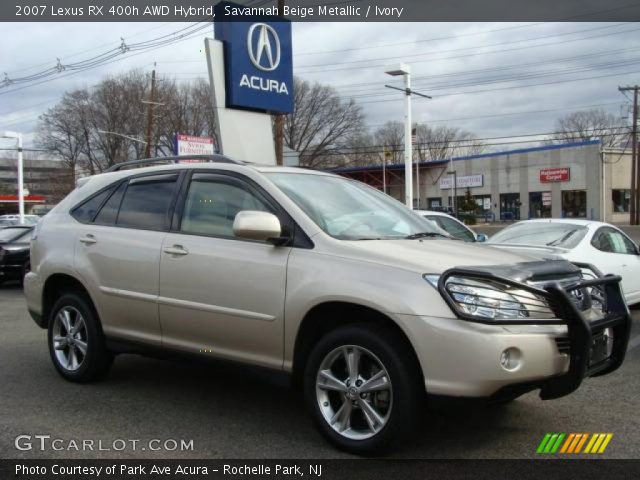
point(57, 284)
point(327, 316)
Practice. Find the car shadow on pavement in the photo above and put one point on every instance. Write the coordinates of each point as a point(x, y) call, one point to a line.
point(250, 404)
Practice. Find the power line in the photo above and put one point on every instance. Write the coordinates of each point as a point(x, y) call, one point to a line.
point(323, 69)
point(107, 57)
point(120, 58)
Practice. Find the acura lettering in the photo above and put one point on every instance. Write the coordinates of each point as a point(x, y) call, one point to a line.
point(264, 84)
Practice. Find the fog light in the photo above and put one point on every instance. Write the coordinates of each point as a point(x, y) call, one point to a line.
point(510, 359)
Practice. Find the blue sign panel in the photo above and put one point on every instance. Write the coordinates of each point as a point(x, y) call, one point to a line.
point(258, 62)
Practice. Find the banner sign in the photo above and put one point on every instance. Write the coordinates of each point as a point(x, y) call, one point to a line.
point(555, 175)
point(469, 181)
point(258, 62)
point(546, 199)
point(190, 145)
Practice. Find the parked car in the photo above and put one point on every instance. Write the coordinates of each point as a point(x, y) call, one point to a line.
point(372, 310)
point(453, 226)
point(14, 252)
point(15, 219)
point(603, 245)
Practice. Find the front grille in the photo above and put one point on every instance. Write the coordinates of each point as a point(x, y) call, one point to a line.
point(564, 345)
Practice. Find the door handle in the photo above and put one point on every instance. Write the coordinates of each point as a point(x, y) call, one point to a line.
point(88, 239)
point(176, 250)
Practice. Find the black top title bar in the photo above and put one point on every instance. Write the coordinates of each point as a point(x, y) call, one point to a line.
point(323, 10)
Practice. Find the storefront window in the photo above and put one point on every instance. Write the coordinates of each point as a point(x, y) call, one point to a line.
point(510, 206)
point(620, 200)
point(540, 205)
point(434, 203)
point(574, 204)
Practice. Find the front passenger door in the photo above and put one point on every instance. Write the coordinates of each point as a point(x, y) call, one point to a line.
point(221, 295)
point(618, 255)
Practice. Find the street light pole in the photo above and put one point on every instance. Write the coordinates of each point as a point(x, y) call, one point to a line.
point(405, 71)
point(18, 137)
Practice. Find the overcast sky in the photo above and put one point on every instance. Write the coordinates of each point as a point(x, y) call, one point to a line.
point(449, 61)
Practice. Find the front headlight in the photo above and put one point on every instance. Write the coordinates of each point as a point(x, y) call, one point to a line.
point(492, 300)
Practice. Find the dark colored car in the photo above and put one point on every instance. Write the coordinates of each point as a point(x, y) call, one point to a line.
point(14, 252)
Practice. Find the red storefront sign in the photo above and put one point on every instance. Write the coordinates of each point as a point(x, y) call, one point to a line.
point(27, 199)
point(555, 175)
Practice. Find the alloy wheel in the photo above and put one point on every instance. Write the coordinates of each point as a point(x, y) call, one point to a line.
point(354, 392)
point(69, 338)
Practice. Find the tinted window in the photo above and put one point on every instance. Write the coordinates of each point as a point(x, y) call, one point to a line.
point(610, 240)
point(214, 201)
point(109, 211)
point(86, 211)
point(146, 202)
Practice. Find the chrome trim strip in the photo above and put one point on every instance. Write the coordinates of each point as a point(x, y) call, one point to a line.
point(174, 302)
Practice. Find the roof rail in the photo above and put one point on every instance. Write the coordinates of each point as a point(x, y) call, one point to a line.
point(173, 159)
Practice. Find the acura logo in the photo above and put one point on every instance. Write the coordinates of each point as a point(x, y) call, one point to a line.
point(263, 46)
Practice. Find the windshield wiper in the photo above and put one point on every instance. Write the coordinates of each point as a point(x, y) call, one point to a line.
point(425, 235)
point(562, 239)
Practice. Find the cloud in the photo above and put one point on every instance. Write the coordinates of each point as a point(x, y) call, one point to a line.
point(446, 58)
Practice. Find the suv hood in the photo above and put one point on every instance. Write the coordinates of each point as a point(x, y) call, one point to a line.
point(430, 255)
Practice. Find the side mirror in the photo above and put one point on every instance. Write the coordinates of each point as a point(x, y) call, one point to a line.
point(256, 225)
point(481, 237)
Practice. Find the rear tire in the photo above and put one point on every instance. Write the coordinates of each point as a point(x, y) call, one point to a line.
point(364, 420)
point(76, 342)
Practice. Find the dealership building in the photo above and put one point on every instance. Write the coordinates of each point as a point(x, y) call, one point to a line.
point(42, 180)
point(572, 180)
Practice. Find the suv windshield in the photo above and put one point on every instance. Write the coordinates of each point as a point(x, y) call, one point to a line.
point(565, 235)
point(350, 210)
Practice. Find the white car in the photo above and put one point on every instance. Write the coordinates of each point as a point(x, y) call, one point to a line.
point(452, 226)
point(600, 244)
point(6, 220)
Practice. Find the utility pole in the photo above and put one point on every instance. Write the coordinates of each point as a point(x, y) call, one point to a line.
point(635, 170)
point(279, 120)
point(152, 104)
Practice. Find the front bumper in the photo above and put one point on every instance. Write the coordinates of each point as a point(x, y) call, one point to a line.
point(461, 358)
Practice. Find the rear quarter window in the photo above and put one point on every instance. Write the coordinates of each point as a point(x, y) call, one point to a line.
point(86, 211)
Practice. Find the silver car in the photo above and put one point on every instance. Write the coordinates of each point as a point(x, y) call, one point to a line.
point(370, 309)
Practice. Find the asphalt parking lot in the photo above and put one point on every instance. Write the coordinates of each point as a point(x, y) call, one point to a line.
point(230, 412)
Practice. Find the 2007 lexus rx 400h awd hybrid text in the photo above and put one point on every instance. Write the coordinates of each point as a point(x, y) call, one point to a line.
point(369, 307)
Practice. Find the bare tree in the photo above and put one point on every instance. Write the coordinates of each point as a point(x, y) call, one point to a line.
point(595, 124)
point(73, 129)
point(61, 129)
point(437, 143)
point(389, 140)
point(320, 124)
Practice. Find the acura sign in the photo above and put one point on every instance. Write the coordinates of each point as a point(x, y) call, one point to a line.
point(258, 62)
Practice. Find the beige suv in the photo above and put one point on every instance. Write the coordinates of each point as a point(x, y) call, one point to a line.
point(370, 308)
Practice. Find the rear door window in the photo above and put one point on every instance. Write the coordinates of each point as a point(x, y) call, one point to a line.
point(146, 202)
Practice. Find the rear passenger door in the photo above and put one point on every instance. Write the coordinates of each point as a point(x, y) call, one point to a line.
point(221, 295)
point(118, 254)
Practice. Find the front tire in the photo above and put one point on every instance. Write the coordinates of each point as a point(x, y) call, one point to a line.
point(76, 342)
point(364, 389)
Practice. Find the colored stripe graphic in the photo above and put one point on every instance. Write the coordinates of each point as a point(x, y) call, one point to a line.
point(573, 443)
